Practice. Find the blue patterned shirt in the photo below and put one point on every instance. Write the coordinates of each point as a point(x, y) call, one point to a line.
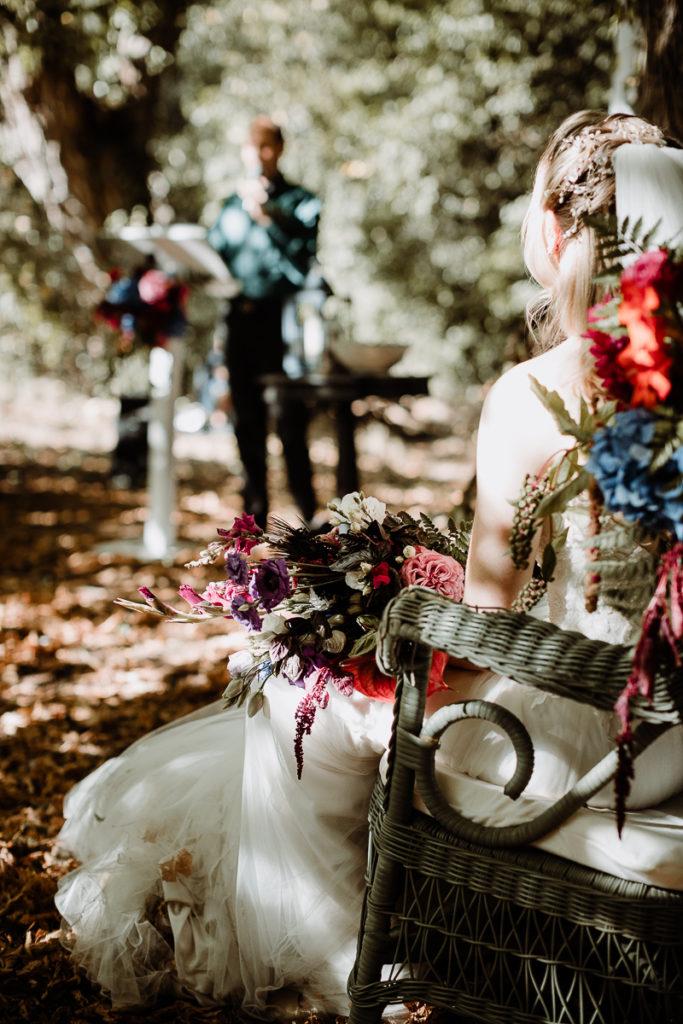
point(273, 259)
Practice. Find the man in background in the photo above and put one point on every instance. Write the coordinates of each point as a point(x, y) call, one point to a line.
point(266, 234)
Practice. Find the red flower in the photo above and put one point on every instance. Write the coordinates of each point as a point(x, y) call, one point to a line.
point(368, 680)
point(605, 350)
point(154, 287)
point(645, 359)
point(245, 533)
point(653, 269)
point(380, 575)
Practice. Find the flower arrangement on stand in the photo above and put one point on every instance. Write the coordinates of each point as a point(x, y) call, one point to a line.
point(627, 456)
point(148, 306)
point(312, 602)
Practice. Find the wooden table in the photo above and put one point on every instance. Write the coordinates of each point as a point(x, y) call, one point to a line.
point(338, 391)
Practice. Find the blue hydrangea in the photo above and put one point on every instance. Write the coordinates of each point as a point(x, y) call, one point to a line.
point(620, 461)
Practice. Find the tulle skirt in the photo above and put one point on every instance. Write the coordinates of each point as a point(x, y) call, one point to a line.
point(209, 869)
point(260, 874)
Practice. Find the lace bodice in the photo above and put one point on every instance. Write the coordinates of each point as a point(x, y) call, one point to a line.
point(627, 579)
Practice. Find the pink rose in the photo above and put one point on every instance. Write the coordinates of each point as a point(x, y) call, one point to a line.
point(220, 594)
point(154, 287)
point(427, 568)
point(223, 594)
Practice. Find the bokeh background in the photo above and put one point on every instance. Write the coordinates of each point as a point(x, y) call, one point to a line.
point(419, 123)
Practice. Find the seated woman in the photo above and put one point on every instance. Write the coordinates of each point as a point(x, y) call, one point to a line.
point(208, 868)
point(517, 436)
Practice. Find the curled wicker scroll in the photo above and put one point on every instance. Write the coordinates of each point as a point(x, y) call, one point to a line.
point(535, 653)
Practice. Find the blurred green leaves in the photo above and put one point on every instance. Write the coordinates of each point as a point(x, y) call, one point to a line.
point(418, 122)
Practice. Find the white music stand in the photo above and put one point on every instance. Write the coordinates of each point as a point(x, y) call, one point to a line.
point(183, 251)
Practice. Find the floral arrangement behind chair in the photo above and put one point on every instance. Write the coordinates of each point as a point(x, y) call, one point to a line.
point(148, 306)
point(628, 453)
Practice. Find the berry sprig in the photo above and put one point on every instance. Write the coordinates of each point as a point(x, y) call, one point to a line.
point(530, 594)
point(524, 522)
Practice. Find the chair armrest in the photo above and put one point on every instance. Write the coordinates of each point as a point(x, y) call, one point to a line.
point(536, 653)
point(525, 649)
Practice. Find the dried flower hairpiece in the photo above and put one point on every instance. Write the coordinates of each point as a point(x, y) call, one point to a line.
point(592, 151)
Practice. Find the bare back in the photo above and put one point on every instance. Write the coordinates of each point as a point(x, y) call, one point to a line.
point(517, 436)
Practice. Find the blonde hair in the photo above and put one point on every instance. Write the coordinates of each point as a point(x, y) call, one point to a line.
point(574, 179)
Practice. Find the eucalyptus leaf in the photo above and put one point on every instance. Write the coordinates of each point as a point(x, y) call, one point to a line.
point(368, 621)
point(554, 404)
point(256, 702)
point(352, 560)
point(234, 688)
point(548, 562)
point(673, 485)
point(364, 644)
point(560, 539)
point(605, 413)
point(558, 499)
point(660, 459)
point(567, 468)
point(586, 418)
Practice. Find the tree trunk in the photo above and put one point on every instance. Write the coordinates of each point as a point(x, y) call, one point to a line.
point(661, 89)
point(78, 158)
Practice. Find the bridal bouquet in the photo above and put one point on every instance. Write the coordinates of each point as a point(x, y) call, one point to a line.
point(312, 602)
point(628, 454)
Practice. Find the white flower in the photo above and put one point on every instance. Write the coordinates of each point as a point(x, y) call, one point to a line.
point(335, 643)
point(343, 509)
point(357, 511)
point(351, 503)
point(317, 601)
point(273, 623)
point(354, 580)
point(375, 509)
point(409, 551)
point(239, 663)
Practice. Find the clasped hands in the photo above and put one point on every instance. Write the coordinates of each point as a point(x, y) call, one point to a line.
point(254, 196)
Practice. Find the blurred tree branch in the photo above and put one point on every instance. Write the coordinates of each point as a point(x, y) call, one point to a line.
point(81, 148)
point(419, 124)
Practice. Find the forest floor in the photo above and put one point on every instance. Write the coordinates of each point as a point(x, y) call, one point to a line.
point(81, 678)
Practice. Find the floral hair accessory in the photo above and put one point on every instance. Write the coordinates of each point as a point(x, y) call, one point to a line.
point(628, 454)
point(311, 602)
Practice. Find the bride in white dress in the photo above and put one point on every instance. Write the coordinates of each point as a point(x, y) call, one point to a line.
point(207, 867)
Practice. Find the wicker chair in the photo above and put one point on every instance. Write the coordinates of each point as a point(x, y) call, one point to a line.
point(474, 919)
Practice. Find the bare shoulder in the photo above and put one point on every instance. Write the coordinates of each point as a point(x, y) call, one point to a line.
point(515, 424)
point(511, 398)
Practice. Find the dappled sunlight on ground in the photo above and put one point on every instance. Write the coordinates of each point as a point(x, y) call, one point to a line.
point(81, 677)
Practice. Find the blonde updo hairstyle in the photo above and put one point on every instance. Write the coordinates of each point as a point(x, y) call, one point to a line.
point(574, 179)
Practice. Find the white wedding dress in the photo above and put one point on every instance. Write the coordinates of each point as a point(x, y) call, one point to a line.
point(262, 874)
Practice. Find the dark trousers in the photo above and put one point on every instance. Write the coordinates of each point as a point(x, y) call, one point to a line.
point(255, 347)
